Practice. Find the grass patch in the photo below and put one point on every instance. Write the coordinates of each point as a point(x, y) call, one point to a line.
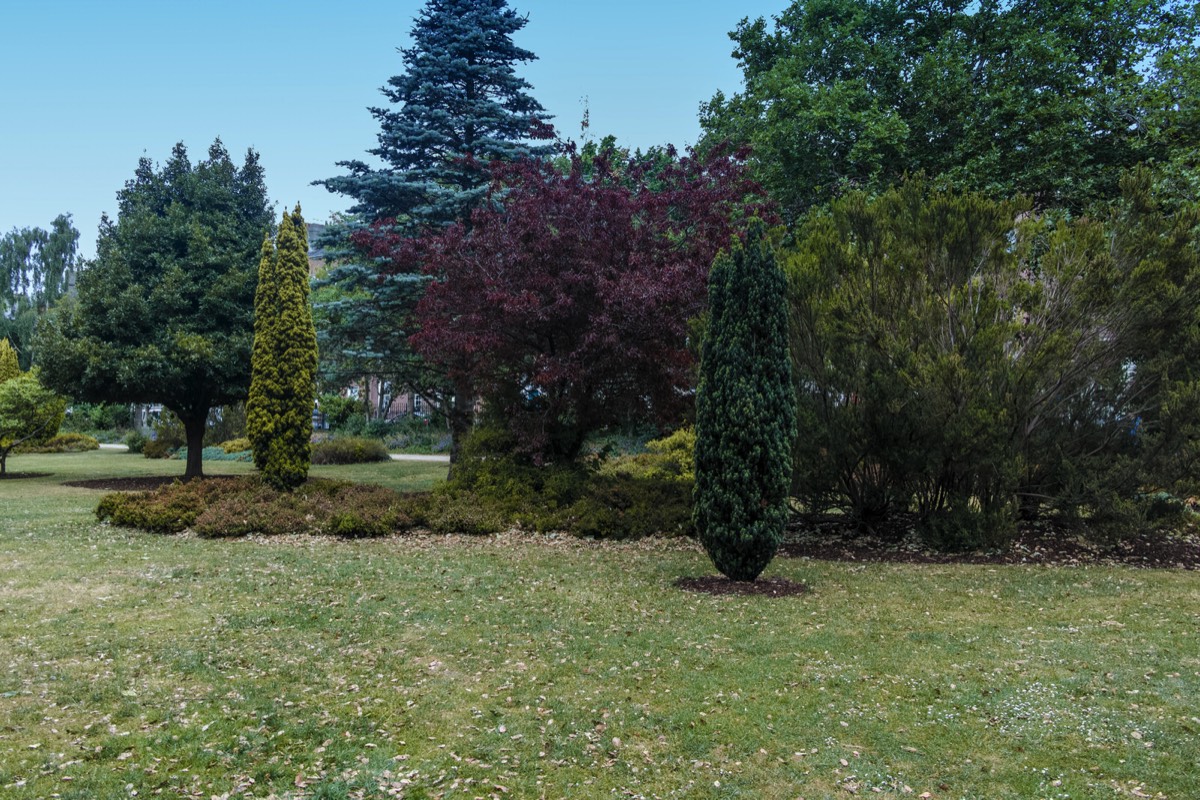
point(426, 666)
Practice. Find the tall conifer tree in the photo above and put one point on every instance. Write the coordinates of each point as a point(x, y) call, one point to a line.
point(9, 365)
point(458, 106)
point(283, 372)
point(745, 413)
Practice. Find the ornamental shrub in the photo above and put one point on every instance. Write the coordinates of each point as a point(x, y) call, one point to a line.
point(284, 359)
point(745, 413)
point(349, 450)
point(64, 443)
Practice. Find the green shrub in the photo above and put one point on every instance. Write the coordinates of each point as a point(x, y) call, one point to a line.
point(92, 417)
point(494, 487)
point(349, 450)
point(135, 441)
point(226, 507)
point(962, 528)
point(215, 454)
point(65, 443)
point(158, 448)
point(338, 410)
point(241, 445)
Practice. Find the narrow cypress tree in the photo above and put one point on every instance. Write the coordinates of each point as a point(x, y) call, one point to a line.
point(284, 366)
point(745, 413)
point(260, 421)
point(10, 366)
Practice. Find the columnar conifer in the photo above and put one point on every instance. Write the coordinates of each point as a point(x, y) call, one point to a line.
point(284, 361)
point(9, 365)
point(745, 413)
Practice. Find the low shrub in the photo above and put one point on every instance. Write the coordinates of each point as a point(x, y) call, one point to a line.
point(65, 443)
point(215, 454)
point(241, 445)
point(230, 507)
point(630, 497)
point(349, 450)
point(135, 441)
point(158, 448)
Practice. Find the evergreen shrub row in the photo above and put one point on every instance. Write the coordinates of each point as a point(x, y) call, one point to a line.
point(224, 507)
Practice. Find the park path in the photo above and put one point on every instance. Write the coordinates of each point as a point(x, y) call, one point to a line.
point(436, 459)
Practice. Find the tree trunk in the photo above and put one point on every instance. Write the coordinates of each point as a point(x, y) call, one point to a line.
point(461, 416)
point(194, 426)
point(3, 463)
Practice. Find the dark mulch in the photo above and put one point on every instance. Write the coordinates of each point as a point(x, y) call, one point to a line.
point(139, 484)
point(720, 585)
point(16, 476)
point(833, 538)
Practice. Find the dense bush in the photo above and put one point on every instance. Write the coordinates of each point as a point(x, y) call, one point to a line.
point(495, 487)
point(135, 441)
point(219, 507)
point(158, 448)
point(234, 445)
point(349, 450)
point(338, 410)
point(64, 443)
point(973, 363)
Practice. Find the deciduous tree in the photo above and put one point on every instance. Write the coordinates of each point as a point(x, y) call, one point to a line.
point(29, 414)
point(567, 307)
point(1051, 100)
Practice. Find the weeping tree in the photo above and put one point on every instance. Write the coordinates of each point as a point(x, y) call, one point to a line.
point(745, 413)
point(284, 361)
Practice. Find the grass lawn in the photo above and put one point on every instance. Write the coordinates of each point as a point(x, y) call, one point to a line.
point(520, 666)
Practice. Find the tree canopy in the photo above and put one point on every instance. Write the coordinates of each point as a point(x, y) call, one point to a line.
point(567, 307)
point(37, 267)
point(1050, 100)
point(165, 312)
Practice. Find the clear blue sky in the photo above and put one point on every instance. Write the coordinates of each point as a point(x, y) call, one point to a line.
point(88, 87)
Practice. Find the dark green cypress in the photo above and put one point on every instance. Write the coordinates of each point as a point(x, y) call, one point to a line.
point(283, 380)
point(745, 412)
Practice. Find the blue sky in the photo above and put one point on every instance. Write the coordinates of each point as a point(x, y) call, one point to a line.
point(88, 87)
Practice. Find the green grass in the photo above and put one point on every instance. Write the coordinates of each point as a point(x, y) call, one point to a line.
point(425, 667)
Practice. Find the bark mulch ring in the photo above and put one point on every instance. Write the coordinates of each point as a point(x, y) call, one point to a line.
point(146, 483)
point(719, 585)
point(834, 538)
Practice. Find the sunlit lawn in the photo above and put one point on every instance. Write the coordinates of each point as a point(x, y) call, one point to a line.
point(517, 666)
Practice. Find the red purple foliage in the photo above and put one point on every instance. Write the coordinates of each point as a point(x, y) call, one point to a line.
point(566, 302)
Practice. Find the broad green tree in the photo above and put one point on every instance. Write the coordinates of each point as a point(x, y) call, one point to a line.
point(745, 413)
point(165, 312)
point(283, 376)
point(29, 414)
point(1053, 100)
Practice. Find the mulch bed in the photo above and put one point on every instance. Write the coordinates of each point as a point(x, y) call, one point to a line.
point(145, 483)
point(720, 585)
point(16, 476)
point(832, 538)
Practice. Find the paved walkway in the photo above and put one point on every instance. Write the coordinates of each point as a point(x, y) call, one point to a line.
point(435, 459)
point(415, 457)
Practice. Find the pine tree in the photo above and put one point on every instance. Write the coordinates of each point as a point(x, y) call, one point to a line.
point(745, 413)
point(284, 361)
point(458, 106)
point(9, 365)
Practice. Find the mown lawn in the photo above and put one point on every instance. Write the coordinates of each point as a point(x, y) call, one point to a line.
point(520, 666)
